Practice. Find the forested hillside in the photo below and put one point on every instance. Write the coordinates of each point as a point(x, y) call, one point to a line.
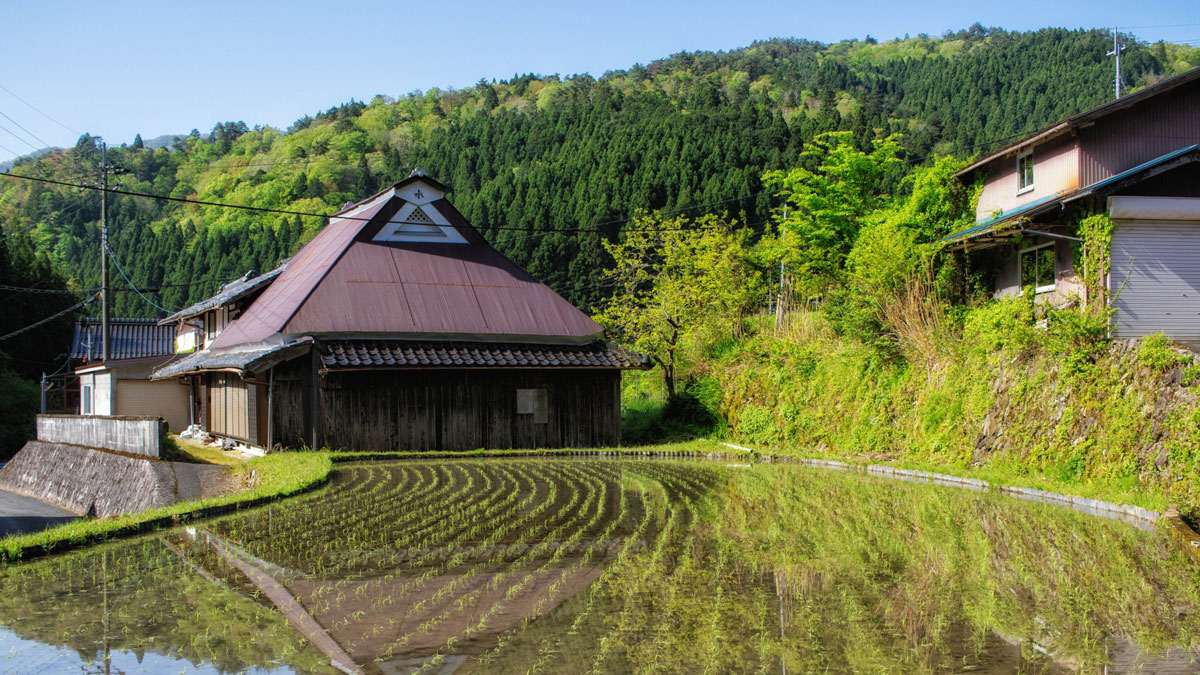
point(546, 166)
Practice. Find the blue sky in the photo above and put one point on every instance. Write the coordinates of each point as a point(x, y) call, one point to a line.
point(119, 68)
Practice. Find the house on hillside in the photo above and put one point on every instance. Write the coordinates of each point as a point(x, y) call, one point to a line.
point(122, 385)
point(1136, 158)
point(398, 327)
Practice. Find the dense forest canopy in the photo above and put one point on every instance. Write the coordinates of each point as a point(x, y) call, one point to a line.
point(550, 167)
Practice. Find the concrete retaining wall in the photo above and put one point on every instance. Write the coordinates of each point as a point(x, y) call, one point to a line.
point(91, 481)
point(134, 435)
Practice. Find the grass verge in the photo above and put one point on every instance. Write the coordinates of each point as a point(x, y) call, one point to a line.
point(273, 477)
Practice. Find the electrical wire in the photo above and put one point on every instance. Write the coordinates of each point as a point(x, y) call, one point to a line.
point(14, 135)
point(33, 108)
point(287, 212)
point(48, 319)
point(124, 276)
point(31, 134)
point(51, 291)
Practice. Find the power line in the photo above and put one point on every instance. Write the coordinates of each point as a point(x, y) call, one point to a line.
point(286, 212)
point(1172, 25)
point(50, 291)
point(31, 134)
point(113, 256)
point(14, 135)
point(35, 109)
point(48, 319)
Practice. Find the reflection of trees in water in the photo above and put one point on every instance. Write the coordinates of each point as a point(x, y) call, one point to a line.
point(614, 566)
point(912, 577)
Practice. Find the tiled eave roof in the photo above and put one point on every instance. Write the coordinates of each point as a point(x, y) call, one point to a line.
point(241, 360)
point(403, 354)
point(228, 293)
point(128, 339)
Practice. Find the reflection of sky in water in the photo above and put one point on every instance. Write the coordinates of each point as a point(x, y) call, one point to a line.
point(18, 655)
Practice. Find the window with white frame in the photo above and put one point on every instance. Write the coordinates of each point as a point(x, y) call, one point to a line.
point(1037, 268)
point(1024, 172)
point(85, 400)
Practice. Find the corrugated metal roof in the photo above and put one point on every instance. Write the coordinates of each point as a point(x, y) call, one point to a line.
point(343, 283)
point(1088, 116)
point(228, 293)
point(403, 354)
point(1025, 210)
point(128, 339)
point(252, 360)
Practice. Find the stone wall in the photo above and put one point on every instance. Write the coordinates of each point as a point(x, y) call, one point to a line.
point(95, 482)
point(134, 435)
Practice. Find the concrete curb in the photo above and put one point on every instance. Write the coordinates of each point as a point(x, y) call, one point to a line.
point(1181, 533)
point(1134, 515)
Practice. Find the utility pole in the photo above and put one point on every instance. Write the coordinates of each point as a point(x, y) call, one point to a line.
point(1116, 51)
point(104, 293)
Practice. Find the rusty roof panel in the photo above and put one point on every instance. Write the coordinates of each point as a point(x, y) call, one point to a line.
point(272, 310)
point(442, 308)
point(344, 283)
point(428, 263)
point(402, 354)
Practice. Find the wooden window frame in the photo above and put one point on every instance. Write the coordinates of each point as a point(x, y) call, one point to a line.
point(535, 402)
point(1025, 165)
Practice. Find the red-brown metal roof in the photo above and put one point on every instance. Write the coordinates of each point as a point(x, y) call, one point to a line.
point(343, 283)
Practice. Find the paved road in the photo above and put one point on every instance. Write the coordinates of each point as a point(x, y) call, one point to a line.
point(19, 513)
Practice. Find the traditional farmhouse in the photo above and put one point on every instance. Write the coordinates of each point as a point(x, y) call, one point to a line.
point(1136, 158)
point(121, 385)
point(398, 327)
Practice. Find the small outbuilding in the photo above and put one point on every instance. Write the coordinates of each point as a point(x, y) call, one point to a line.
point(121, 385)
point(398, 327)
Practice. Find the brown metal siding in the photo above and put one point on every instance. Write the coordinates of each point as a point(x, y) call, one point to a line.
point(1127, 138)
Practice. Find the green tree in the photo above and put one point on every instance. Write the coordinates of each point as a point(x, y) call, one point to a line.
point(675, 279)
point(827, 206)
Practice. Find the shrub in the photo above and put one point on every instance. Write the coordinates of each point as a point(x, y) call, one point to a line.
point(757, 425)
point(1156, 353)
point(1081, 337)
point(1003, 325)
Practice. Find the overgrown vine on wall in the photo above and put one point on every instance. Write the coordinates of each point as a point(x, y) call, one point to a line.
point(1096, 231)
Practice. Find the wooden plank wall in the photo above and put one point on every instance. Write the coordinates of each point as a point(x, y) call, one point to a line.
point(288, 408)
point(457, 410)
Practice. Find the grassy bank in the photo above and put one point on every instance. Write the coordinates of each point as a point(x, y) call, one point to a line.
point(1004, 400)
point(269, 477)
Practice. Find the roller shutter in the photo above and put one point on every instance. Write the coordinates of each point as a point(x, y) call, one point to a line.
point(167, 400)
point(1155, 277)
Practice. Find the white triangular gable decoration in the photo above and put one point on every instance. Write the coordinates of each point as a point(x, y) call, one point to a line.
point(414, 224)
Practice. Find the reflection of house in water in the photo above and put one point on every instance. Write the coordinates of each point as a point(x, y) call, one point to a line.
point(398, 622)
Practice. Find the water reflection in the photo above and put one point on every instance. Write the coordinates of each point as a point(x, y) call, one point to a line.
point(614, 566)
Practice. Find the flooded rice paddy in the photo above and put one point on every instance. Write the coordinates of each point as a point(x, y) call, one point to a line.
point(614, 566)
